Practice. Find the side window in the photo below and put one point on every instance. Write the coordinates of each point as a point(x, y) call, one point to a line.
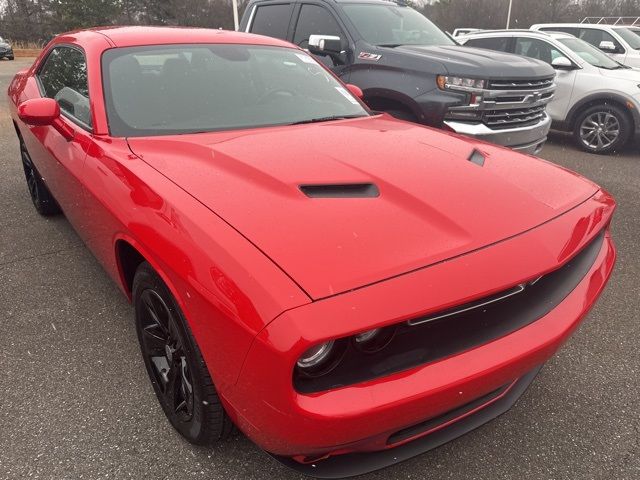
point(64, 78)
point(596, 37)
point(538, 49)
point(315, 20)
point(501, 44)
point(272, 20)
point(570, 30)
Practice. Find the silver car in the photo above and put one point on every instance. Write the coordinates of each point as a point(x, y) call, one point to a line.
point(620, 42)
point(597, 98)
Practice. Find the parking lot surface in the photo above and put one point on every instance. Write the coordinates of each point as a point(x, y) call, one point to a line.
point(76, 402)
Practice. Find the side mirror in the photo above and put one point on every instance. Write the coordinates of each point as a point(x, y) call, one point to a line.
point(355, 90)
point(325, 44)
point(39, 111)
point(562, 63)
point(608, 46)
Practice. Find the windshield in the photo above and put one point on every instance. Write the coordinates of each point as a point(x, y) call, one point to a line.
point(629, 36)
point(387, 25)
point(590, 54)
point(194, 88)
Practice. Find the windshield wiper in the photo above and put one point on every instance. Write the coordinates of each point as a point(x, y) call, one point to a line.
point(389, 45)
point(327, 119)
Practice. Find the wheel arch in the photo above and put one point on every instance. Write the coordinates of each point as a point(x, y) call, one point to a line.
point(129, 254)
point(604, 98)
point(379, 99)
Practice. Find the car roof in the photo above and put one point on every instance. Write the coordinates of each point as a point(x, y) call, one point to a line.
point(511, 31)
point(520, 33)
point(575, 25)
point(131, 36)
point(558, 35)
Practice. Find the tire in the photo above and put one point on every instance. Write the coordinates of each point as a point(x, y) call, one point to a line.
point(403, 115)
point(603, 129)
point(41, 197)
point(174, 363)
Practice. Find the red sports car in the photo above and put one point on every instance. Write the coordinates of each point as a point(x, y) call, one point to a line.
point(348, 289)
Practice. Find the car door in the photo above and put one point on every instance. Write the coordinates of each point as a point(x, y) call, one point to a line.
point(60, 157)
point(316, 19)
point(542, 50)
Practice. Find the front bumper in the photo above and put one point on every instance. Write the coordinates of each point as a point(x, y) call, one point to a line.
point(6, 54)
point(365, 417)
point(528, 139)
point(350, 465)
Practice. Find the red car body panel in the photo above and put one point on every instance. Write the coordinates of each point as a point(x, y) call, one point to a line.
point(262, 272)
point(339, 416)
point(348, 243)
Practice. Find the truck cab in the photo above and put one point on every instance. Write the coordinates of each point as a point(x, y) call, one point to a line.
point(408, 67)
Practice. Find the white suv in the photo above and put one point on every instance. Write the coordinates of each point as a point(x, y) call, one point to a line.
point(622, 43)
point(597, 98)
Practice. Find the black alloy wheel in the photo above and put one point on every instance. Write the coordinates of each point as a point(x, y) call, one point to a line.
point(175, 366)
point(41, 198)
point(163, 347)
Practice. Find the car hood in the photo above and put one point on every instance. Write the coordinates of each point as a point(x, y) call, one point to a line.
point(481, 63)
point(631, 74)
point(433, 203)
point(4, 45)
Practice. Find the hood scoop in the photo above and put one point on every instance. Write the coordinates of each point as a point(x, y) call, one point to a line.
point(341, 190)
point(477, 158)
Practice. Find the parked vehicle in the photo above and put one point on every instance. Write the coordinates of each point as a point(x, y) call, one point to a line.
point(635, 30)
point(339, 284)
point(597, 99)
point(408, 67)
point(464, 31)
point(6, 51)
point(618, 41)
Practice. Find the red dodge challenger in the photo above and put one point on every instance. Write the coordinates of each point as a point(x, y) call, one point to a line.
point(348, 289)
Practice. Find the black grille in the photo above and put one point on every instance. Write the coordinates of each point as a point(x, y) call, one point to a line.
point(422, 427)
point(520, 84)
point(426, 339)
point(521, 117)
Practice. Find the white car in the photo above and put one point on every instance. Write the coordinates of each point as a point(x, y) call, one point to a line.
point(597, 98)
point(621, 42)
point(464, 31)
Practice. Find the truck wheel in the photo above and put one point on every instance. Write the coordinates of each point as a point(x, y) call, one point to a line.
point(175, 366)
point(602, 129)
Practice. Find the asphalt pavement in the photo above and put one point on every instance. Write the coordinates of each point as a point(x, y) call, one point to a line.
point(75, 402)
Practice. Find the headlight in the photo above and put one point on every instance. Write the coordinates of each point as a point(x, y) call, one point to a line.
point(364, 337)
point(446, 82)
point(373, 341)
point(321, 359)
point(315, 356)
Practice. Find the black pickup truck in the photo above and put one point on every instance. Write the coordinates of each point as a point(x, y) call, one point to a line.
point(408, 67)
